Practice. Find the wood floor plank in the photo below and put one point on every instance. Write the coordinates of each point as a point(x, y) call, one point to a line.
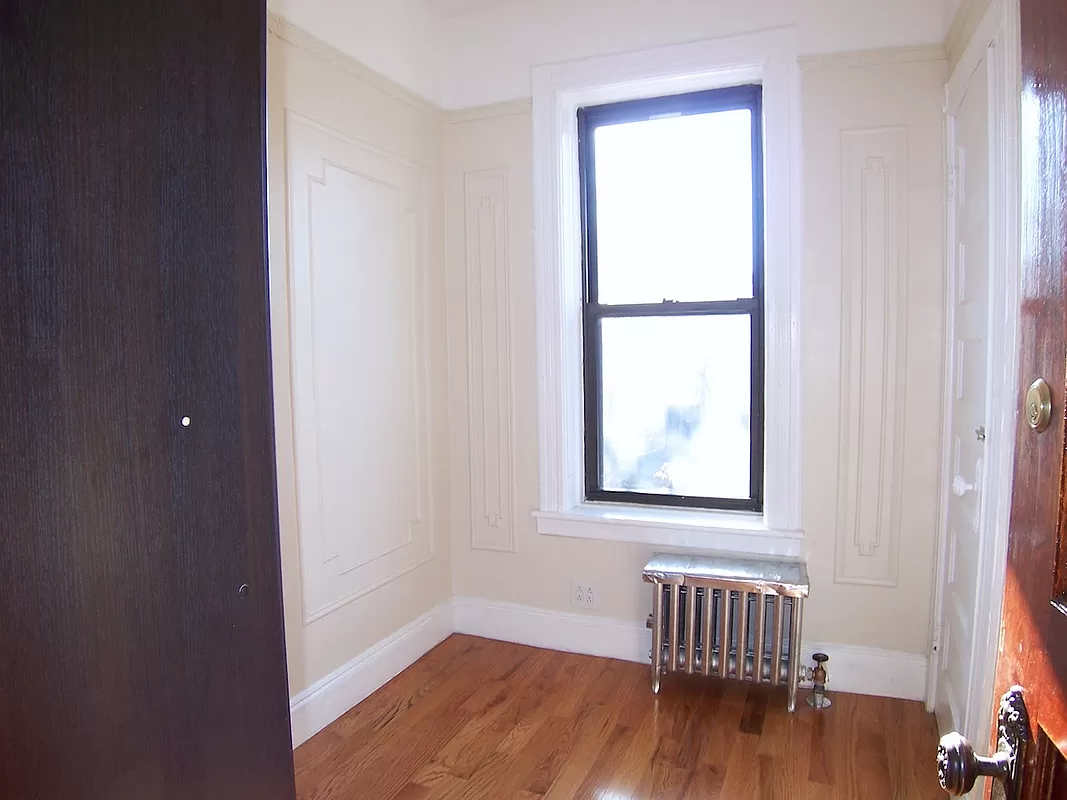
point(568, 737)
point(706, 783)
point(754, 713)
point(822, 765)
point(464, 754)
point(409, 739)
point(601, 778)
point(634, 769)
point(482, 720)
point(742, 777)
point(600, 722)
point(413, 792)
point(364, 723)
point(726, 726)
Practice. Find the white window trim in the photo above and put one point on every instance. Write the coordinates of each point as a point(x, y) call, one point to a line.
point(559, 90)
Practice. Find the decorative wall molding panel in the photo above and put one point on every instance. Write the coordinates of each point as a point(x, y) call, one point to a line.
point(874, 292)
point(357, 230)
point(489, 360)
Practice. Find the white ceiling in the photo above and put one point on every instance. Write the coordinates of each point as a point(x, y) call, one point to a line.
point(451, 8)
point(462, 53)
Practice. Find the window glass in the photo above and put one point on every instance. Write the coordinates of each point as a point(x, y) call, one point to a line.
point(672, 192)
point(676, 405)
point(674, 208)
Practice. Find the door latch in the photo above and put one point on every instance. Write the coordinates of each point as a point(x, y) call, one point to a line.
point(958, 767)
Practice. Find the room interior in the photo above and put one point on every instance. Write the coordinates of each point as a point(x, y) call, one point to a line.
point(419, 397)
point(435, 399)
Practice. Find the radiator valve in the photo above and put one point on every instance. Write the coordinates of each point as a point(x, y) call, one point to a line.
point(818, 697)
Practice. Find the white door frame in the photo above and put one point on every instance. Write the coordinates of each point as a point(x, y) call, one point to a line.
point(998, 40)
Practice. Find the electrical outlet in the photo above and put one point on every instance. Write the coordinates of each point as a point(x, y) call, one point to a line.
point(583, 594)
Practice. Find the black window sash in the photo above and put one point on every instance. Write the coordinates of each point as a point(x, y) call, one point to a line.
point(590, 118)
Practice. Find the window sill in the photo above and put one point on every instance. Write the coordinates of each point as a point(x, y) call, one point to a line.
point(731, 532)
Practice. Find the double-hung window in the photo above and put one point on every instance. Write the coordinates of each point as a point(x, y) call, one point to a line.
point(673, 331)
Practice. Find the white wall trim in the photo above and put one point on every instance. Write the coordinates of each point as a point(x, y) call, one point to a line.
point(312, 150)
point(320, 704)
point(559, 90)
point(875, 172)
point(998, 40)
point(872, 58)
point(494, 111)
point(859, 670)
point(965, 20)
point(490, 390)
point(867, 670)
point(720, 531)
point(552, 630)
point(285, 31)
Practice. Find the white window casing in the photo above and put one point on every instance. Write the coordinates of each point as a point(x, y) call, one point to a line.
point(768, 58)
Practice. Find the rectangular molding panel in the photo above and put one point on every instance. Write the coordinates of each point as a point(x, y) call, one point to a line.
point(357, 230)
point(488, 360)
point(874, 291)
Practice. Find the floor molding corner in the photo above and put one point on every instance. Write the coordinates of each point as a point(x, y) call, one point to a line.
point(858, 670)
point(867, 670)
point(326, 700)
point(553, 630)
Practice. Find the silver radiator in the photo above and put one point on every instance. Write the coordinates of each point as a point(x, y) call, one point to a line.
point(727, 618)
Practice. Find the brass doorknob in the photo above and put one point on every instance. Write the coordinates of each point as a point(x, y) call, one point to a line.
point(958, 767)
point(1039, 405)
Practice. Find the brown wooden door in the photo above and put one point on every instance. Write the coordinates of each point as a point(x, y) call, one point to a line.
point(141, 641)
point(1034, 636)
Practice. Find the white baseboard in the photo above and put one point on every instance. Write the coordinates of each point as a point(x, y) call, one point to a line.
point(554, 630)
point(866, 670)
point(860, 670)
point(320, 704)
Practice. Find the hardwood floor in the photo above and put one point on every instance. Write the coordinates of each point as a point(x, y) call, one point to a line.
point(476, 718)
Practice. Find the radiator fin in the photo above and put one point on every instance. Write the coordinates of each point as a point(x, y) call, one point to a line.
point(697, 630)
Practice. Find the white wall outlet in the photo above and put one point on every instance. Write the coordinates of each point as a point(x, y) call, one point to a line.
point(583, 594)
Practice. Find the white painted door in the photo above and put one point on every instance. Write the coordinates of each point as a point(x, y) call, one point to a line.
point(968, 401)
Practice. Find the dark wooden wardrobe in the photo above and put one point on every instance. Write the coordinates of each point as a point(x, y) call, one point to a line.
point(142, 654)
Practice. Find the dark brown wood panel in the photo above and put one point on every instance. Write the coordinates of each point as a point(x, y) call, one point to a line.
point(1034, 636)
point(132, 251)
point(481, 720)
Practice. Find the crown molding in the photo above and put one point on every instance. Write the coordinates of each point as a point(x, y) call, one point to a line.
point(964, 25)
point(873, 58)
point(512, 108)
point(285, 31)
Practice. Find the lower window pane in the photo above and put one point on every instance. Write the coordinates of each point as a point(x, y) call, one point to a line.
point(676, 405)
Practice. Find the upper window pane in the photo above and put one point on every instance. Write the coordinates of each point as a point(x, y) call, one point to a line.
point(674, 208)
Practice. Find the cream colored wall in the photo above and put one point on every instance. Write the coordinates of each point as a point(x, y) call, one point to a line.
point(871, 581)
point(396, 38)
point(873, 323)
point(487, 53)
point(539, 573)
point(476, 344)
point(348, 136)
